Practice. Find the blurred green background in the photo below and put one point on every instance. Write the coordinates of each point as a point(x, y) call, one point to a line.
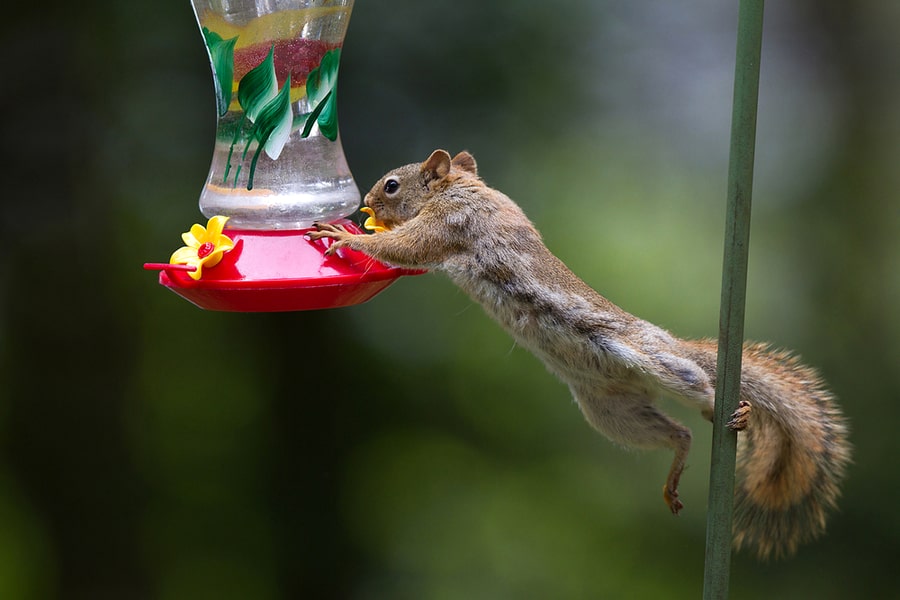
point(405, 448)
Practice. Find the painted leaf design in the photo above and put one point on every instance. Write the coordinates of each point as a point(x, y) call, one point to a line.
point(258, 87)
point(221, 55)
point(312, 117)
point(272, 128)
point(321, 89)
point(275, 122)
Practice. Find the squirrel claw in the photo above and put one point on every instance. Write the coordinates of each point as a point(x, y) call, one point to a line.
point(672, 501)
point(321, 231)
point(329, 230)
point(740, 417)
point(324, 229)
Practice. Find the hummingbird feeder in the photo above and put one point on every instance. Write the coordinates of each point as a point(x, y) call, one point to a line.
point(278, 166)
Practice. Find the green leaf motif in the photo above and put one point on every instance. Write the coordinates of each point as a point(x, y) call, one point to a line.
point(258, 86)
point(272, 128)
point(267, 108)
point(312, 117)
point(273, 124)
point(321, 90)
point(221, 55)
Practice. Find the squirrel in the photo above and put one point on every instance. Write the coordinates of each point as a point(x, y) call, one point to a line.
point(793, 448)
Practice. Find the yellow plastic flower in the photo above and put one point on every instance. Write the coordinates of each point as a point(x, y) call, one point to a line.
point(205, 246)
point(373, 223)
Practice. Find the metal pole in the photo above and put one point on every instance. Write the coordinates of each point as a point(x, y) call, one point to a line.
point(734, 286)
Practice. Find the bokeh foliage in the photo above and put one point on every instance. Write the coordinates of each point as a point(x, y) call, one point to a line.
point(406, 448)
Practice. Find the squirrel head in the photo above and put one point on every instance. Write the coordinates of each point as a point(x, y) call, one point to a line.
point(401, 193)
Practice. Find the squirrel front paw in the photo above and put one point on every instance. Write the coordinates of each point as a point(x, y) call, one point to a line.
point(337, 233)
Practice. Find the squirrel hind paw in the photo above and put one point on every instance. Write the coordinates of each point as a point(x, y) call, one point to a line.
point(671, 498)
point(740, 417)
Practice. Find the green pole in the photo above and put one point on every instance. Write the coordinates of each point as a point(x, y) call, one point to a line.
point(734, 287)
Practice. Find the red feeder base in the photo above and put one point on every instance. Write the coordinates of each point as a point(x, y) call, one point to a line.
point(273, 270)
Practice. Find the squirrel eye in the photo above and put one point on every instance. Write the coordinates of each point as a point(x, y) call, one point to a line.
point(391, 186)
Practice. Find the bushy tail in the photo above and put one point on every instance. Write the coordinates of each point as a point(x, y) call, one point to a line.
point(792, 455)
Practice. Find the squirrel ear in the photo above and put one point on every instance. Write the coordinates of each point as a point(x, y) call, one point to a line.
point(466, 162)
point(437, 166)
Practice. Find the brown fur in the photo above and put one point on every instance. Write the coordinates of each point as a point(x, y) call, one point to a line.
point(793, 448)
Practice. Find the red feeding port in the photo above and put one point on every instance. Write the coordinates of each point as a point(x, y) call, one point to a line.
point(273, 271)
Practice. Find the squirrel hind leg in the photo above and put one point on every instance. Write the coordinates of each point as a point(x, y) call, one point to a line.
point(740, 417)
point(681, 441)
point(632, 420)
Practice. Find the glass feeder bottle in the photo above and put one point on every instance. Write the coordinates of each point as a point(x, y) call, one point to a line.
point(278, 162)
